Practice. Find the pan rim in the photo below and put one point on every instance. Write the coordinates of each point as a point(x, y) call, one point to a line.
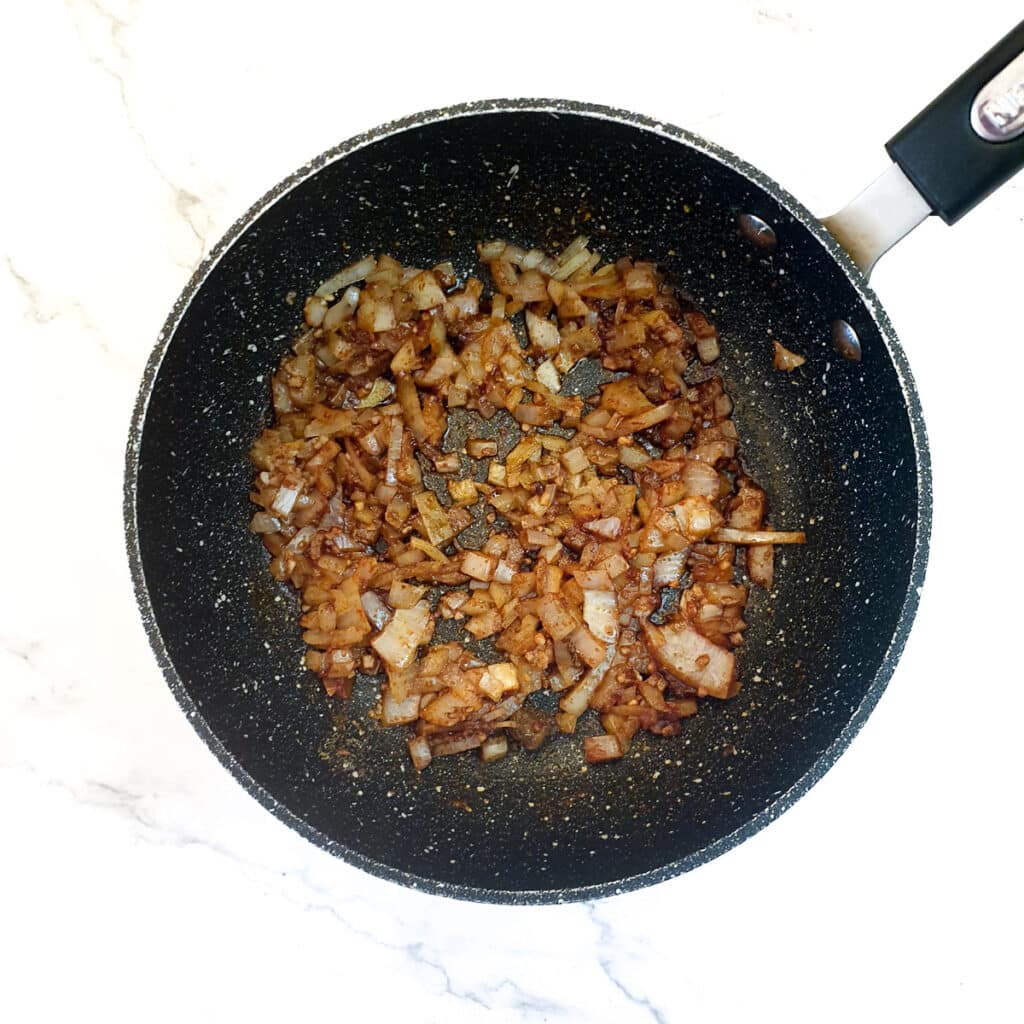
point(784, 800)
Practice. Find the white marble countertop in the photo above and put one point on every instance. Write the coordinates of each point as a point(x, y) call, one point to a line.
point(139, 881)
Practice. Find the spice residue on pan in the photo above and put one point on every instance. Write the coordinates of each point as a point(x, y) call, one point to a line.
point(544, 482)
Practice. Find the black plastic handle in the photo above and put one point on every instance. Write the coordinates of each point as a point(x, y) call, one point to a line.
point(940, 151)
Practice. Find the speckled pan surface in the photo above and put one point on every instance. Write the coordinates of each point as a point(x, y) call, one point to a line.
point(840, 447)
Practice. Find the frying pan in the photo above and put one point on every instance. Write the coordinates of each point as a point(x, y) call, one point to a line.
point(839, 446)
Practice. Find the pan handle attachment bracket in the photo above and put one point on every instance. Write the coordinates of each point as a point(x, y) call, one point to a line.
point(889, 208)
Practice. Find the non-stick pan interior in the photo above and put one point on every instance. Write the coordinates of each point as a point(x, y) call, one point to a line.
point(833, 443)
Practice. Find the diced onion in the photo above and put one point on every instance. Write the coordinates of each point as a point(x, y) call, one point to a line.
point(285, 500)
point(314, 311)
point(601, 748)
point(381, 391)
point(725, 535)
point(548, 375)
point(376, 610)
point(478, 566)
point(668, 569)
point(498, 679)
point(419, 752)
point(494, 748)
point(358, 271)
point(261, 522)
point(601, 614)
point(407, 630)
point(693, 658)
point(708, 349)
point(399, 712)
point(783, 359)
point(343, 309)
point(543, 332)
point(576, 701)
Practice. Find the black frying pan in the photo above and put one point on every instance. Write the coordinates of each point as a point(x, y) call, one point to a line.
point(839, 445)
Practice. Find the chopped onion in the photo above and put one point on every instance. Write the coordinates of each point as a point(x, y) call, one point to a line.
point(349, 275)
point(542, 332)
point(593, 579)
point(699, 479)
point(465, 303)
point(601, 614)
point(577, 245)
point(494, 748)
point(725, 535)
point(761, 564)
point(658, 414)
point(447, 463)
point(407, 630)
point(457, 745)
point(575, 460)
point(498, 679)
point(601, 748)
point(668, 569)
point(591, 651)
point(693, 658)
point(548, 376)
point(532, 259)
point(708, 349)
point(575, 702)
point(463, 492)
point(571, 259)
point(783, 359)
point(509, 706)
point(446, 365)
point(478, 566)
point(404, 595)
point(504, 571)
point(301, 539)
point(381, 391)
point(430, 550)
point(480, 448)
point(419, 752)
point(513, 254)
point(445, 274)
point(394, 451)
point(697, 517)
point(633, 458)
point(490, 250)
point(434, 517)
point(610, 527)
point(425, 291)
point(314, 311)
point(285, 500)
point(343, 309)
point(261, 522)
point(393, 712)
point(376, 610)
point(557, 615)
point(535, 415)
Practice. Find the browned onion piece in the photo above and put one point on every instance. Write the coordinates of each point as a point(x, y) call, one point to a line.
point(761, 564)
point(725, 535)
point(783, 359)
point(693, 658)
point(601, 748)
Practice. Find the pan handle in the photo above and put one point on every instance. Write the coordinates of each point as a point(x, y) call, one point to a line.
point(961, 147)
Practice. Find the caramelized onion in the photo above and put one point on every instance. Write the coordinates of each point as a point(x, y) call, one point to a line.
point(610, 532)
